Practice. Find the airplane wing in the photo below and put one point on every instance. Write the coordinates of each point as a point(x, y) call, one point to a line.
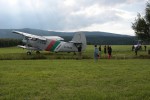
point(54, 38)
point(30, 35)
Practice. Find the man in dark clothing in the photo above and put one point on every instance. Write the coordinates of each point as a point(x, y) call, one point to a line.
point(136, 50)
point(105, 50)
point(145, 47)
point(100, 51)
point(109, 52)
point(100, 48)
point(79, 50)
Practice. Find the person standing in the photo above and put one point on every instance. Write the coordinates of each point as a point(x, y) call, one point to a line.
point(136, 50)
point(80, 51)
point(145, 47)
point(109, 52)
point(100, 51)
point(96, 53)
point(105, 50)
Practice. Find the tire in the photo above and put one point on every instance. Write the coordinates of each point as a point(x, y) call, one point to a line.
point(28, 53)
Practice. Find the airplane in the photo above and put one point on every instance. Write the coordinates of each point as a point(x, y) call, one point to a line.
point(138, 45)
point(52, 43)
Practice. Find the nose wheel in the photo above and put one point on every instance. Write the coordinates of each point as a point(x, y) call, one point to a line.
point(28, 53)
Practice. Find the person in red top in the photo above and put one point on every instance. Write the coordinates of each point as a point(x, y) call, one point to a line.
point(109, 52)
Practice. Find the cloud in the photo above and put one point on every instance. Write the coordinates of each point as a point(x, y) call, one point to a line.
point(71, 15)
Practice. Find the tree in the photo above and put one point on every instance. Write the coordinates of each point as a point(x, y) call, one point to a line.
point(141, 26)
point(9, 42)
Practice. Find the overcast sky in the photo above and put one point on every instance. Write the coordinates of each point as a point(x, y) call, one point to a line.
point(113, 16)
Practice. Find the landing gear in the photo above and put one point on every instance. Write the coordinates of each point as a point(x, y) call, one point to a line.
point(28, 53)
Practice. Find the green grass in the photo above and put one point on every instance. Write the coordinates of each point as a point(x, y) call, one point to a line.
point(14, 53)
point(75, 79)
point(59, 77)
point(119, 52)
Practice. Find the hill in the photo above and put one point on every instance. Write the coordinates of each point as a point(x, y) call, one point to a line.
point(93, 37)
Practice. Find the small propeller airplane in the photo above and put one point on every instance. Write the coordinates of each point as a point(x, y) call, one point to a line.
point(138, 45)
point(52, 43)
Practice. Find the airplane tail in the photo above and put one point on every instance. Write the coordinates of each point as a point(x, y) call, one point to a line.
point(79, 39)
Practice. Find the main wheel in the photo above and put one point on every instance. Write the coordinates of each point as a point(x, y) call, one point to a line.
point(28, 53)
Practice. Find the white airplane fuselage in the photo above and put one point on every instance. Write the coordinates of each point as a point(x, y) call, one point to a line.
point(52, 45)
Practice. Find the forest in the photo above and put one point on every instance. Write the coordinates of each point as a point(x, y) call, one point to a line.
point(9, 42)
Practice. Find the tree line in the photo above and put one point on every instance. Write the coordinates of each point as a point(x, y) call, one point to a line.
point(9, 42)
point(112, 40)
point(90, 40)
point(107, 40)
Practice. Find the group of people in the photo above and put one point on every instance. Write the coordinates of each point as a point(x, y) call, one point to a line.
point(98, 52)
point(136, 48)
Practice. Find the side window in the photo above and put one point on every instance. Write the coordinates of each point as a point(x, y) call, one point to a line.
point(42, 41)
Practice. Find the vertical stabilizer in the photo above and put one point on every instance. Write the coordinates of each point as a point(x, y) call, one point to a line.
point(79, 38)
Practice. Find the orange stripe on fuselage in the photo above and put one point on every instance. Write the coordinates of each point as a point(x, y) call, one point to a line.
point(50, 45)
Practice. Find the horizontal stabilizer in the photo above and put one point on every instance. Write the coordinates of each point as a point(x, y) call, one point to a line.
point(27, 47)
point(75, 42)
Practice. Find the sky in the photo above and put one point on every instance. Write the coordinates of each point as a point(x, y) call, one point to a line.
point(115, 16)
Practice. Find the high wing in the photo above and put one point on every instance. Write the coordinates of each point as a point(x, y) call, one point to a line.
point(30, 35)
point(57, 38)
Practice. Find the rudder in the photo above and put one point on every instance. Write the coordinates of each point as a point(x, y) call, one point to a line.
point(79, 38)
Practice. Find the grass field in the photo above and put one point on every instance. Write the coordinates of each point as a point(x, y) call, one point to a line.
point(75, 79)
point(119, 52)
point(59, 76)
